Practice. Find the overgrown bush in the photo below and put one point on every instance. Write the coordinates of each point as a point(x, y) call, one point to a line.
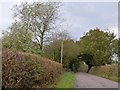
point(24, 70)
point(108, 71)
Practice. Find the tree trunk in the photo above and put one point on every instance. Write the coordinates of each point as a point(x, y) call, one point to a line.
point(89, 67)
point(41, 47)
point(41, 44)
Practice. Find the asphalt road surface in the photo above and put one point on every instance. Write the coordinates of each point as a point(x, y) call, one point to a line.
point(84, 80)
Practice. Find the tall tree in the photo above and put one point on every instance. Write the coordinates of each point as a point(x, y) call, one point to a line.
point(96, 47)
point(38, 17)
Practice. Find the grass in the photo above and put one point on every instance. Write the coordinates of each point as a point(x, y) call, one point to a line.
point(67, 80)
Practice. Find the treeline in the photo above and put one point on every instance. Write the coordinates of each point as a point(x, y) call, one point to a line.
point(95, 48)
point(35, 30)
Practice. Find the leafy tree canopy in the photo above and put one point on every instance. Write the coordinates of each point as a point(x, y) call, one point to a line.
point(96, 47)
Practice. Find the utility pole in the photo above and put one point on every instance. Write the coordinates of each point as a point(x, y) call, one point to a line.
point(61, 51)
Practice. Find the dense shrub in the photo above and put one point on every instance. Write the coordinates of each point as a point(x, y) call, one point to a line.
point(108, 71)
point(24, 70)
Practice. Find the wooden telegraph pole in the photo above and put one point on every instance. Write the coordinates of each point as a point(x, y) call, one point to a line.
point(61, 51)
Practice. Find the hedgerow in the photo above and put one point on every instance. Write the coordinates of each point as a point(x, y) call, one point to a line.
point(108, 71)
point(24, 70)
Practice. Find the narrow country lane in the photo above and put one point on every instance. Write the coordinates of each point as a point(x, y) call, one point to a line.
point(84, 80)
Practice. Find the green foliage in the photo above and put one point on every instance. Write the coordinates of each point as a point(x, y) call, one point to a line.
point(18, 38)
point(118, 46)
point(52, 50)
point(98, 45)
point(67, 80)
point(70, 52)
point(24, 70)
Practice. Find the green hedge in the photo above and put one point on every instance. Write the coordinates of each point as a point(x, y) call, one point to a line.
point(24, 70)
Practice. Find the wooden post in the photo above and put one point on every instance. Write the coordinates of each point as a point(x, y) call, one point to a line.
point(61, 51)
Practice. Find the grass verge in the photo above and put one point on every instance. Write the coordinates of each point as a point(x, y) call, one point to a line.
point(67, 80)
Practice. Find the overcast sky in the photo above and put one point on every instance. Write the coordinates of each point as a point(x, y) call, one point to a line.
point(79, 16)
point(84, 16)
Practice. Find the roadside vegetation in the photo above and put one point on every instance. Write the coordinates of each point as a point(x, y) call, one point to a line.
point(108, 72)
point(38, 35)
point(67, 80)
point(24, 70)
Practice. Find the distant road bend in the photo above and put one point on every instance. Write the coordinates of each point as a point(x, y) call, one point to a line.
point(84, 80)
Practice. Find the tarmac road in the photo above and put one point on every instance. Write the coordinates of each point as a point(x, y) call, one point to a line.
point(84, 80)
